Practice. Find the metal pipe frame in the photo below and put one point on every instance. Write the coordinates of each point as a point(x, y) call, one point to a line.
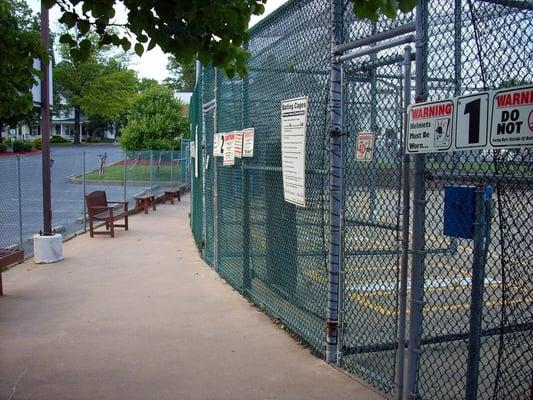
point(335, 186)
point(398, 31)
point(406, 209)
point(378, 48)
point(419, 213)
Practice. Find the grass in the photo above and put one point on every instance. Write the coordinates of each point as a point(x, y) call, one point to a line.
point(138, 173)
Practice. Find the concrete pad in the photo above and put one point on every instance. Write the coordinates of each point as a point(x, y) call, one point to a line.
point(141, 316)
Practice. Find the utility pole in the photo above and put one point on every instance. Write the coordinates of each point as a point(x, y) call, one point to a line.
point(45, 126)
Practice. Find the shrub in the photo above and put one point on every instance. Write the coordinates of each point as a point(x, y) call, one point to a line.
point(27, 146)
point(18, 146)
point(38, 143)
point(3, 147)
point(58, 139)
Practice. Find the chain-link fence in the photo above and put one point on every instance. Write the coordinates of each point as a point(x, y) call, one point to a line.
point(422, 313)
point(75, 172)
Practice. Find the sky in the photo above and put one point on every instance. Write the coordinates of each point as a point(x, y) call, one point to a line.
point(152, 64)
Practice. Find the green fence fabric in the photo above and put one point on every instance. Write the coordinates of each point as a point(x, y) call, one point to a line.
point(276, 253)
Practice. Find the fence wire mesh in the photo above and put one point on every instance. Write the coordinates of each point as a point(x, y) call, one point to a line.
point(75, 172)
point(277, 254)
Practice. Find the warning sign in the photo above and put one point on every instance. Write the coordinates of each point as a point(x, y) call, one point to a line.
point(229, 156)
point(512, 117)
point(237, 144)
point(430, 127)
point(248, 142)
point(218, 144)
point(365, 146)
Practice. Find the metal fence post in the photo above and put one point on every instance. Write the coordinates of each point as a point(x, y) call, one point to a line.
point(125, 162)
point(171, 167)
point(476, 299)
point(406, 178)
point(19, 184)
point(151, 168)
point(372, 179)
point(84, 191)
point(335, 186)
point(215, 180)
point(419, 210)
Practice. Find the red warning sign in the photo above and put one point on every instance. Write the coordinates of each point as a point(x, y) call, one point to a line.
point(512, 117)
point(365, 146)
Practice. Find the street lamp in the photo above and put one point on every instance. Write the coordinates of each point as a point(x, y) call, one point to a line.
point(47, 245)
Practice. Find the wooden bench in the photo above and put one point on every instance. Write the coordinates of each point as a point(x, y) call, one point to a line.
point(143, 201)
point(99, 209)
point(9, 257)
point(173, 191)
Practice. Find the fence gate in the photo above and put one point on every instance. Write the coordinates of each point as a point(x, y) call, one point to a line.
point(373, 120)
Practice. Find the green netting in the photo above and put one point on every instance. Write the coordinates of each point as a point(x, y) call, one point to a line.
point(276, 253)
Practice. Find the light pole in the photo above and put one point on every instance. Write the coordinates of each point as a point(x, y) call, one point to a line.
point(45, 126)
point(47, 246)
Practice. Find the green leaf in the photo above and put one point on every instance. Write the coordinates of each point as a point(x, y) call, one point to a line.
point(83, 26)
point(66, 38)
point(125, 43)
point(139, 49)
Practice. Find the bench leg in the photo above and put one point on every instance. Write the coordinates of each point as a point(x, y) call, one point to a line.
point(126, 222)
point(145, 205)
point(112, 228)
point(171, 198)
point(179, 198)
point(153, 203)
point(91, 228)
point(1, 287)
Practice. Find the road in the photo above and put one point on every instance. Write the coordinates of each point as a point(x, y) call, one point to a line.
point(67, 197)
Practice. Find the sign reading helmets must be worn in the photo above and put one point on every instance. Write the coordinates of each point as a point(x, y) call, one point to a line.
point(365, 146)
point(512, 117)
point(430, 127)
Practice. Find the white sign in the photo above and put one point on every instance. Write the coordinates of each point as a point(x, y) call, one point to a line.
point(248, 142)
point(430, 127)
point(237, 144)
point(191, 149)
point(512, 117)
point(293, 131)
point(471, 116)
point(218, 144)
point(365, 146)
point(229, 156)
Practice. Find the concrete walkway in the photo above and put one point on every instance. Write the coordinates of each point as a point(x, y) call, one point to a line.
point(142, 317)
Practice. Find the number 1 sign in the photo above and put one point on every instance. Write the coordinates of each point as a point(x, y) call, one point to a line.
point(471, 116)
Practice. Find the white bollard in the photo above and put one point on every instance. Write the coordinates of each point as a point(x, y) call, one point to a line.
point(47, 249)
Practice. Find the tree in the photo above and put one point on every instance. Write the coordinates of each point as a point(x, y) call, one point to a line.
point(210, 30)
point(182, 75)
point(155, 121)
point(101, 87)
point(19, 47)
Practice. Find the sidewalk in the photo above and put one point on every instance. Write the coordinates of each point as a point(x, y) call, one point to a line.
point(142, 317)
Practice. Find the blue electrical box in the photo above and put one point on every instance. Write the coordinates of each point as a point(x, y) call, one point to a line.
point(459, 209)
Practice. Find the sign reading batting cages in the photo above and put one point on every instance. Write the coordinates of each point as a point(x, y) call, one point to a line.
point(512, 117)
point(429, 127)
point(293, 131)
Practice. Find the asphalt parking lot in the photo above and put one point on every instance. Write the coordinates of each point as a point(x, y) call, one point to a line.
point(67, 197)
